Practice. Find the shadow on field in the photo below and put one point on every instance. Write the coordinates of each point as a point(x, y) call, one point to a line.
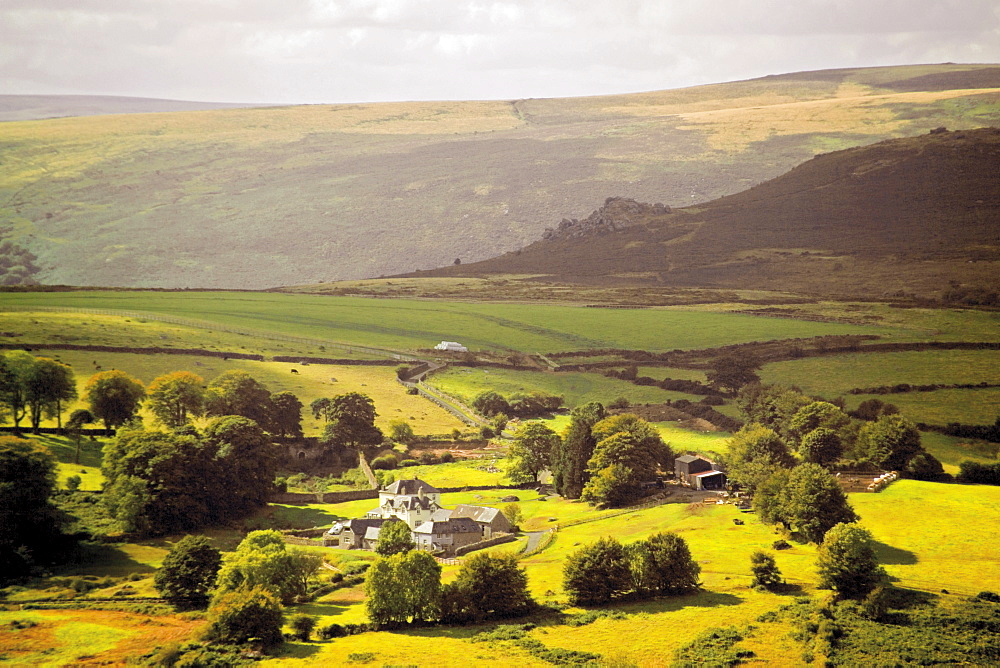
point(887, 554)
point(296, 517)
point(298, 650)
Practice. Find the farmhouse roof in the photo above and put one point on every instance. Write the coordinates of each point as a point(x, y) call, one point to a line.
point(477, 513)
point(687, 459)
point(411, 486)
point(454, 525)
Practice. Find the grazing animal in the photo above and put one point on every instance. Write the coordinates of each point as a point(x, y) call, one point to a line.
point(295, 370)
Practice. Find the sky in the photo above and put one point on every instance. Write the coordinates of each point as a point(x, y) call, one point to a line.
point(330, 51)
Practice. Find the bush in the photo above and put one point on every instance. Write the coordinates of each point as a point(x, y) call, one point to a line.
point(355, 567)
point(303, 625)
point(409, 462)
point(245, 614)
point(331, 631)
point(384, 463)
point(447, 457)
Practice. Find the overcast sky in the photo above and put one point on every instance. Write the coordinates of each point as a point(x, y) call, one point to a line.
point(299, 51)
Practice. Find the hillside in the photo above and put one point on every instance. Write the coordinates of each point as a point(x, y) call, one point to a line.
point(35, 107)
point(905, 215)
point(253, 198)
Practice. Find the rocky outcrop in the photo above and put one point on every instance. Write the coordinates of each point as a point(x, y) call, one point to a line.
point(616, 214)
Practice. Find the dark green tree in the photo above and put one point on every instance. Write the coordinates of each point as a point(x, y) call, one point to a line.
point(188, 572)
point(818, 414)
point(351, 422)
point(597, 573)
point(239, 393)
point(847, 563)
point(74, 427)
point(755, 452)
point(490, 403)
point(48, 387)
point(394, 537)
point(889, 442)
point(30, 525)
point(662, 564)
point(494, 586)
point(612, 486)
point(302, 625)
point(772, 406)
point(925, 466)
point(245, 462)
point(175, 397)
point(765, 570)
point(569, 467)
point(732, 371)
point(814, 502)
point(239, 616)
point(821, 446)
point(287, 415)
point(114, 397)
point(531, 452)
point(14, 371)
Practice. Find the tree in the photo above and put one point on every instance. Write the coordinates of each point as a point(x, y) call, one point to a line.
point(14, 373)
point(303, 626)
point(765, 570)
point(814, 502)
point(569, 467)
point(755, 452)
point(889, 442)
point(629, 452)
point(847, 563)
point(286, 415)
point(402, 588)
point(925, 466)
point(30, 526)
point(400, 431)
point(494, 586)
point(394, 537)
point(263, 560)
point(870, 410)
point(253, 613)
point(818, 414)
point(490, 403)
point(175, 396)
point(74, 427)
point(821, 446)
point(48, 385)
point(512, 511)
point(531, 451)
point(351, 421)
point(239, 393)
point(188, 572)
point(246, 461)
point(662, 564)
point(770, 405)
point(732, 371)
point(596, 573)
point(159, 483)
point(114, 397)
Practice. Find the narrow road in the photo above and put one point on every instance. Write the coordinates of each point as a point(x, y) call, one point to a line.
point(534, 538)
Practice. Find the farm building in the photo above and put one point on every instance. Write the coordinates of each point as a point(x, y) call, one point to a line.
point(451, 346)
point(698, 472)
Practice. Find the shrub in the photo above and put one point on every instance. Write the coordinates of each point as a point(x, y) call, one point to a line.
point(245, 614)
point(303, 625)
point(409, 462)
point(447, 457)
point(331, 631)
point(384, 463)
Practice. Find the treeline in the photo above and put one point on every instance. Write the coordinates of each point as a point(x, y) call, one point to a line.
point(984, 432)
point(520, 404)
point(903, 388)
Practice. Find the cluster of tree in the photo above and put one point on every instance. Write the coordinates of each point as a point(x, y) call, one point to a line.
point(405, 587)
point(978, 473)
point(161, 482)
point(602, 459)
point(605, 570)
point(984, 432)
point(34, 388)
point(631, 373)
point(30, 525)
point(520, 404)
point(244, 591)
point(785, 426)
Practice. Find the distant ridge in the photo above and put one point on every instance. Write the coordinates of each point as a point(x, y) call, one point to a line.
point(37, 107)
point(913, 215)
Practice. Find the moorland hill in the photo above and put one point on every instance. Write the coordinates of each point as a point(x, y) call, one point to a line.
point(253, 198)
point(919, 215)
point(36, 107)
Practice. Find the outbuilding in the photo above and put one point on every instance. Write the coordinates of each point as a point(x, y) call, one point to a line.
point(698, 472)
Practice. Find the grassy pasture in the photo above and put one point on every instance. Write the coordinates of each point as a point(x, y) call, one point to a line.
point(411, 324)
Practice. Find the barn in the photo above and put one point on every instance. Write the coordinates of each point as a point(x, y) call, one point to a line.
point(698, 472)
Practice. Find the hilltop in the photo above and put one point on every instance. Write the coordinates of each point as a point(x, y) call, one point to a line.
point(36, 107)
point(254, 198)
point(913, 216)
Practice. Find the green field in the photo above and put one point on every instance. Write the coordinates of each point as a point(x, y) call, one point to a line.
point(411, 324)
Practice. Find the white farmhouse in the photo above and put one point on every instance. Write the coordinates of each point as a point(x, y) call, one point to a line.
point(451, 346)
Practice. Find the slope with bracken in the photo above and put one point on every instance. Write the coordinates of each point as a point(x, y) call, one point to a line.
point(915, 215)
point(251, 198)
